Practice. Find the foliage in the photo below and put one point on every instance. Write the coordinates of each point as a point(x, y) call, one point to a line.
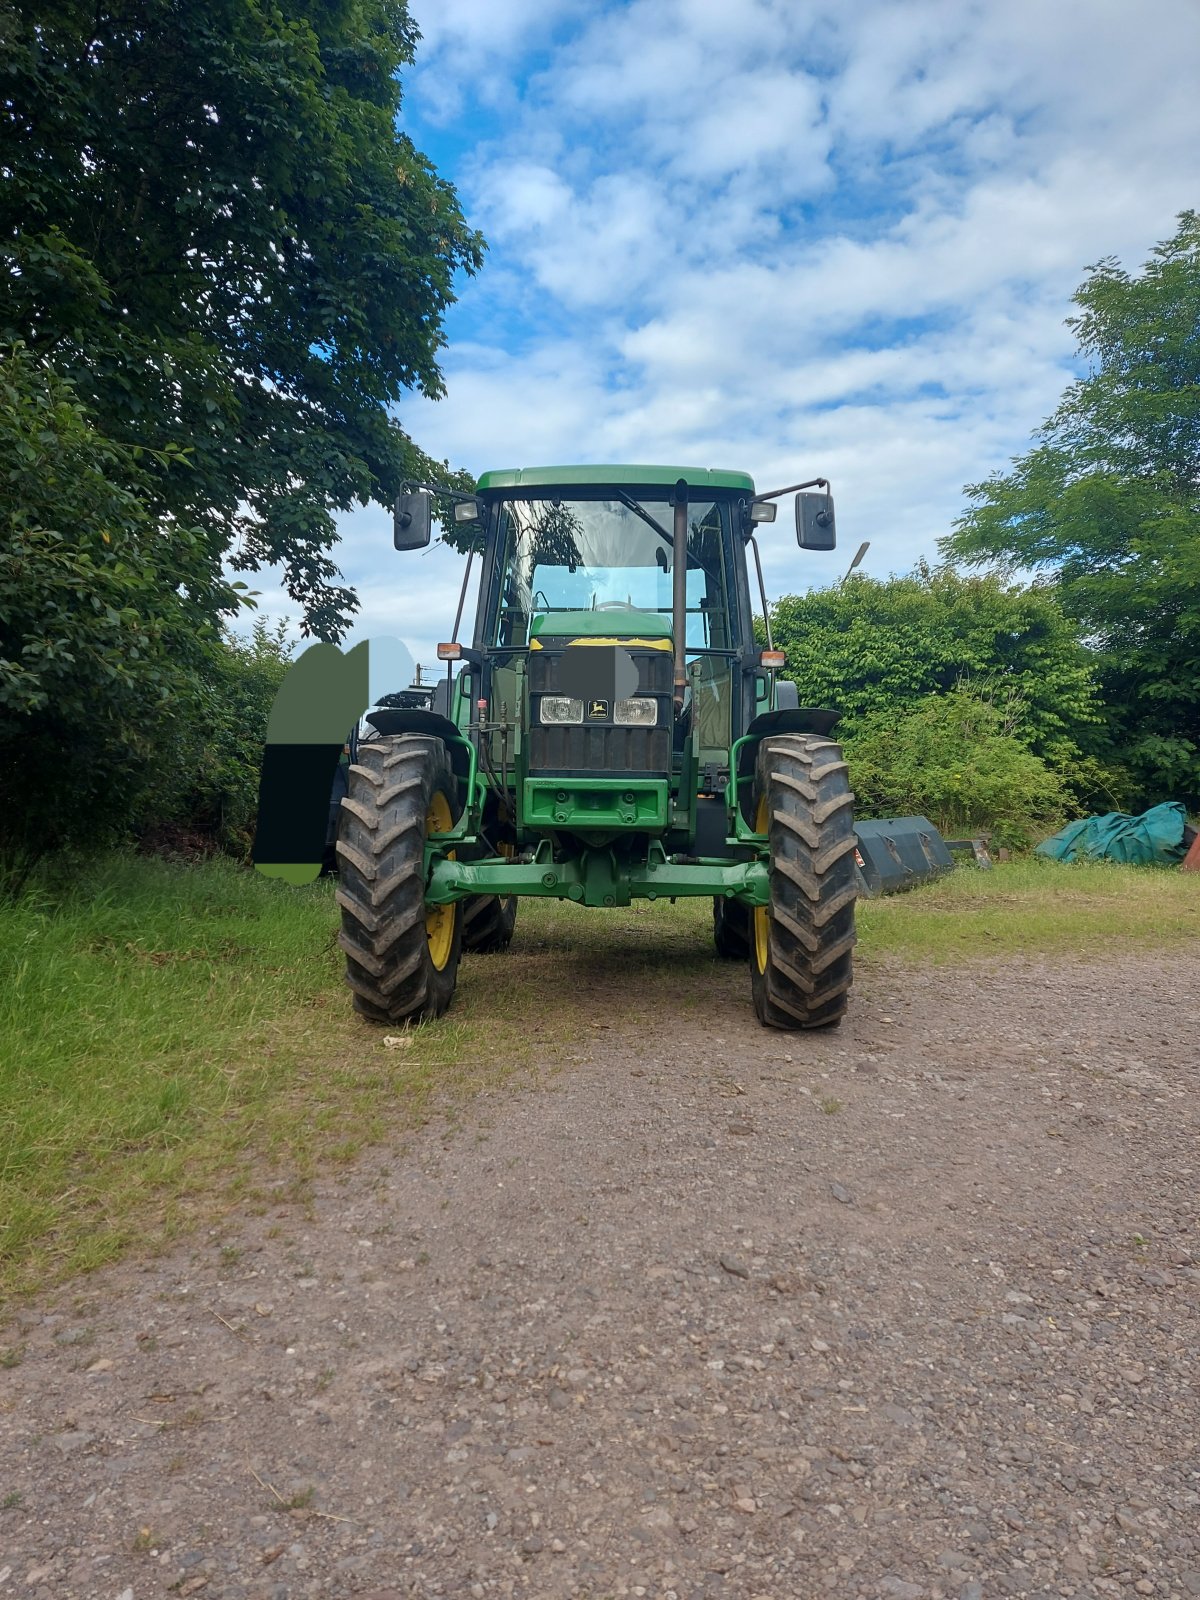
point(1108, 500)
point(868, 648)
point(121, 706)
point(210, 224)
point(206, 795)
point(104, 618)
point(956, 759)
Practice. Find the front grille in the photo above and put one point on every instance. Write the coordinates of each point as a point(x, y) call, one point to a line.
point(608, 751)
point(598, 745)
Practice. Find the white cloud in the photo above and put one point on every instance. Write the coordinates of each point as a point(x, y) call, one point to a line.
point(790, 238)
point(578, 245)
point(469, 47)
point(459, 35)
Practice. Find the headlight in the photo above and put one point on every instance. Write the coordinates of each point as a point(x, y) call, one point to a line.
point(560, 708)
point(641, 712)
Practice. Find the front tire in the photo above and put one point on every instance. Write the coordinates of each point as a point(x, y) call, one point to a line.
point(401, 955)
point(488, 923)
point(801, 955)
point(731, 928)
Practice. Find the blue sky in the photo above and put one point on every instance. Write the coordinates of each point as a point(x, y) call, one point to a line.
point(794, 238)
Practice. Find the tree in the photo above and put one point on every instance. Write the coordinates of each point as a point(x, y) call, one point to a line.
point(104, 620)
point(868, 647)
point(211, 226)
point(1108, 501)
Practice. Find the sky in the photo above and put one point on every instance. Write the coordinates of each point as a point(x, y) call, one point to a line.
point(792, 237)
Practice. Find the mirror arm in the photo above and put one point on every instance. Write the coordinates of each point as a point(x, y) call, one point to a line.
point(462, 595)
point(812, 483)
point(442, 490)
point(762, 589)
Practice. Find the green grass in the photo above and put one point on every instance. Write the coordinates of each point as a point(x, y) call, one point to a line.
point(141, 1027)
point(1033, 907)
point(173, 1039)
point(178, 1040)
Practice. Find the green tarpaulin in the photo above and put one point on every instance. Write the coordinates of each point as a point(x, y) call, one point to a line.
point(1155, 839)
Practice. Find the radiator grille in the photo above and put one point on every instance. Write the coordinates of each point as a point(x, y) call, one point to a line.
point(598, 745)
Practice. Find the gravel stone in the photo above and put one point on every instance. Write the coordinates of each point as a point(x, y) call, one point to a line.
point(938, 1345)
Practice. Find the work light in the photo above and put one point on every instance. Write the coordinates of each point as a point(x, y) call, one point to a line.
point(639, 712)
point(560, 708)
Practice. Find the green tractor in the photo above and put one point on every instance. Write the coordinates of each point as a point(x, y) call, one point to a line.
point(614, 732)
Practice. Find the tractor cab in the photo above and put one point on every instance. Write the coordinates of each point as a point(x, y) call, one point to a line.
point(577, 637)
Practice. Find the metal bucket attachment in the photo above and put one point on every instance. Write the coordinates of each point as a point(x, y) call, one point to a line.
point(896, 853)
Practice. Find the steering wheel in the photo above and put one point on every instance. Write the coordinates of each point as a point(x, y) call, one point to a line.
point(615, 605)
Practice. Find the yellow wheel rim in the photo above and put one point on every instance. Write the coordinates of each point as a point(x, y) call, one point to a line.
point(762, 918)
point(440, 920)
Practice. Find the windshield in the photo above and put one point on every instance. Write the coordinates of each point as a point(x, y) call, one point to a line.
point(610, 555)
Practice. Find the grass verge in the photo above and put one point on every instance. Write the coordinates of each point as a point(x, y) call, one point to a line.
point(1033, 907)
point(174, 1040)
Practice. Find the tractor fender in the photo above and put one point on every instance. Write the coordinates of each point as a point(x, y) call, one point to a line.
point(788, 719)
point(793, 719)
point(389, 720)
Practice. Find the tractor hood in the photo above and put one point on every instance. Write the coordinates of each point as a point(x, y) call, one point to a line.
point(611, 626)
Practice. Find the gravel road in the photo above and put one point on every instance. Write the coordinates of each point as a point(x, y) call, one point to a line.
point(907, 1310)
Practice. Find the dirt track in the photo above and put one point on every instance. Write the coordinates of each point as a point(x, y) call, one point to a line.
point(911, 1309)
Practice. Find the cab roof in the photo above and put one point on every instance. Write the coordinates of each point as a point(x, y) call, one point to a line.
point(618, 475)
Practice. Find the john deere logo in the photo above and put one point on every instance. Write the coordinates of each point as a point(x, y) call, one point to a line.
point(597, 708)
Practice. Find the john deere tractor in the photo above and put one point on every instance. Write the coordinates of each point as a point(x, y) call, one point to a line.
point(613, 731)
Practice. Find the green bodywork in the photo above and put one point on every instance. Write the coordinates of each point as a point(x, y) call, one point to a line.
point(597, 624)
point(618, 476)
point(596, 877)
point(602, 840)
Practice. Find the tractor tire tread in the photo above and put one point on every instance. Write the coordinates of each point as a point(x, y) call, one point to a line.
point(732, 928)
point(381, 887)
point(489, 921)
point(813, 886)
point(359, 860)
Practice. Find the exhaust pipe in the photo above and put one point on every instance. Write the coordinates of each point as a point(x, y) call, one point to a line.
point(679, 593)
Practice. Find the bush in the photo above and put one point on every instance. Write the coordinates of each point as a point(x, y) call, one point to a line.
point(204, 798)
point(867, 645)
point(105, 621)
point(956, 759)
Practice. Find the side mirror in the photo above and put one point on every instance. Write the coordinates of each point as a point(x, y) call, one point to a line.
point(413, 526)
point(815, 528)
